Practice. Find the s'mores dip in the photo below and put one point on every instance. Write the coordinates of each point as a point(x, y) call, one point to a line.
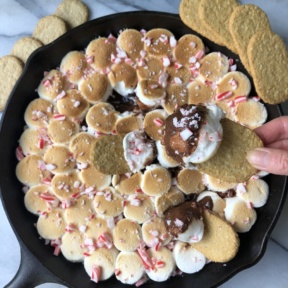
point(112, 156)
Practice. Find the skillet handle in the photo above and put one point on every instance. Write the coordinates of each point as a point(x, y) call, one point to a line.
point(31, 273)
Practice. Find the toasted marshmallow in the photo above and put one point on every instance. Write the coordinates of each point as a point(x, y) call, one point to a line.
point(91, 177)
point(102, 117)
point(240, 214)
point(164, 159)
point(164, 264)
point(40, 198)
point(58, 159)
point(96, 227)
point(95, 87)
point(31, 170)
point(235, 82)
point(159, 42)
point(150, 92)
point(178, 75)
point(213, 66)
point(39, 113)
point(99, 52)
point(123, 78)
point(73, 66)
point(79, 212)
point(154, 123)
point(73, 104)
point(138, 150)
point(80, 146)
point(127, 235)
point(128, 122)
point(192, 45)
point(72, 245)
point(155, 233)
point(138, 208)
point(108, 203)
point(251, 113)
point(199, 92)
point(100, 264)
point(52, 85)
point(217, 185)
point(188, 259)
point(130, 42)
point(66, 185)
point(62, 131)
point(190, 181)
point(34, 141)
point(51, 225)
point(150, 68)
point(156, 180)
point(127, 184)
point(177, 95)
point(212, 201)
point(172, 198)
point(256, 192)
point(129, 267)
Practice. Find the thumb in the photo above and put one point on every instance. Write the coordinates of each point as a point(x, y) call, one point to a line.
point(270, 160)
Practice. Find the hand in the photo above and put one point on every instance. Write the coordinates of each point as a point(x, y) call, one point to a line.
point(273, 157)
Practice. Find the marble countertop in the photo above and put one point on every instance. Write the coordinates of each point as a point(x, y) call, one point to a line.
point(18, 19)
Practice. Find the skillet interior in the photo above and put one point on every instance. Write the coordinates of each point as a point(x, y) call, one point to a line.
point(73, 275)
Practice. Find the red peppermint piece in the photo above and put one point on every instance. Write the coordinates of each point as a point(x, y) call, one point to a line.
point(145, 258)
point(223, 95)
point(59, 117)
point(240, 99)
point(96, 273)
point(160, 264)
point(19, 153)
point(158, 122)
point(199, 54)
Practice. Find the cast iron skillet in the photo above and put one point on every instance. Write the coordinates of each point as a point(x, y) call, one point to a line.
point(38, 265)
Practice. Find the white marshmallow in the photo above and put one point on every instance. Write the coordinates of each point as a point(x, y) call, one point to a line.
point(241, 215)
point(256, 192)
point(163, 158)
point(210, 136)
point(194, 232)
point(100, 264)
point(137, 152)
point(188, 259)
point(129, 267)
point(122, 89)
point(164, 264)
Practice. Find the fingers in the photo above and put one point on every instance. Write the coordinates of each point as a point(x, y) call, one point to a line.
point(281, 144)
point(270, 160)
point(273, 131)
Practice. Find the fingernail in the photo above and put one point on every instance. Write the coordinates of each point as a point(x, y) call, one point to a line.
point(259, 158)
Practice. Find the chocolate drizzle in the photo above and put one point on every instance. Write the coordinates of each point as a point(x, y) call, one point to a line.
point(186, 117)
point(178, 218)
point(207, 202)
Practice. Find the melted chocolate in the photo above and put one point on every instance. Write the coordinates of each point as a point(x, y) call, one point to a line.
point(121, 103)
point(230, 193)
point(178, 218)
point(207, 202)
point(185, 117)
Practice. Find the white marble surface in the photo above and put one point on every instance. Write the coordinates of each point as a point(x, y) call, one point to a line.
point(18, 19)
